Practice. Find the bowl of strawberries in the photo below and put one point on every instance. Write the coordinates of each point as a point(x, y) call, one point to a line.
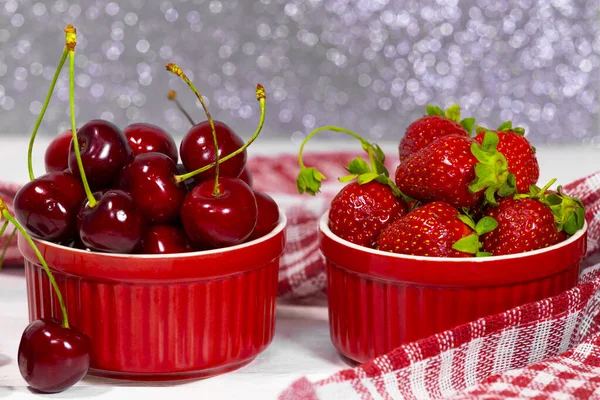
point(460, 231)
point(139, 266)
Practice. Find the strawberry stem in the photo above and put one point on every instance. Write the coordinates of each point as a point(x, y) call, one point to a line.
point(173, 97)
point(71, 40)
point(175, 69)
point(309, 178)
point(43, 112)
point(261, 97)
point(6, 214)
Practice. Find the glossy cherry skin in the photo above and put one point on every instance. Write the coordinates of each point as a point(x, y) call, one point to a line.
point(52, 358)
point(197, 150)
point(165, 239)
point(268, 215)
point(150, 180)
point(104, 152)
point(148, 138)
point(246, 176)
point(113, 225)
point(56, 157)
point(215, 222)
point(47, 207)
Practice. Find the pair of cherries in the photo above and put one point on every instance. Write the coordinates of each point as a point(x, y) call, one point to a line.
point(120, 192)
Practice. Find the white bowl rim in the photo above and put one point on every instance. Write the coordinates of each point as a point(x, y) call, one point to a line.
point(324, 228)
point(280, 227)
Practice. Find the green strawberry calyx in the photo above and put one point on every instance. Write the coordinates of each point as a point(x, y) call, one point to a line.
point(472, 244)
point(491, 171)
point(569, 212)
point(453, 114)
point(309, 178)
point(506, 126)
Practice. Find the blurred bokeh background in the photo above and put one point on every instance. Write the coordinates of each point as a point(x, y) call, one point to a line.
point(369, 65)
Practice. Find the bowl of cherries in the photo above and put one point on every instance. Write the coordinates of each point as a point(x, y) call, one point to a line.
point(139, 266)
point(460, 231)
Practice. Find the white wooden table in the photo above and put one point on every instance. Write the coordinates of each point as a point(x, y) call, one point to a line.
point(301, 346)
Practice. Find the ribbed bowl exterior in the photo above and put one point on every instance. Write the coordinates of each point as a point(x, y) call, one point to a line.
point(154, 329)
point(378, 301)
point(369, 317)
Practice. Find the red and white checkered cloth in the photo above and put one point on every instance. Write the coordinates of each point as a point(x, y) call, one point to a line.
point(544, 350)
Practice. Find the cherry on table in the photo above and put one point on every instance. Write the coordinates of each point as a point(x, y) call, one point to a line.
point(219, 221)
point(53, 358)
point(149, 138)
point(197, 150)
point(56, 157)
point(165, 239)
point(47, 206)
point(268, 215)
point(150, 180)
point(113, 225)
point(104, 152)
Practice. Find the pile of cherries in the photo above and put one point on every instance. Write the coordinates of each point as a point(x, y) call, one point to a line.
point(108, 190)
point(143, 201)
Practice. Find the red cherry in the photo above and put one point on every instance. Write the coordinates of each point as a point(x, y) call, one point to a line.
point(197, 150)
point(47, 206)
point(52, 358)
point(113, 225)
point(268, 215)
point(104, 152)
point(148, 138)
point(246, 176)
point(150, 180)
point(219, 221)
point(165, 239)
point(56, 157)
point(189, 183)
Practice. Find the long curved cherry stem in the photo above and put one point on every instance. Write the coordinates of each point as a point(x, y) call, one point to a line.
point(13, 221)
point(261, 97)
point(173, 97)
point(175, 69)
point(71, 39)
point(8, 242)
point(43, 112)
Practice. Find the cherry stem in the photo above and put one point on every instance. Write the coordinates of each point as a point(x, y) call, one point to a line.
point(10, 218)
point(43, 112)
point(9, 241)
point(71, 39)
point(175, 69)
point(261, 97)
point(3, 229)
point(330, 128)
point(173, 97)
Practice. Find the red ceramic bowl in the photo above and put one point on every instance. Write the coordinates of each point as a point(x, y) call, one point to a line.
point(156, 317)
point(379, 300)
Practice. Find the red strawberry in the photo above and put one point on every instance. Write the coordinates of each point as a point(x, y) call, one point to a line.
point(363, 208)
point(455, 169)
point(436, 124)
point(533, 221)
point(519, 154)
point(437, 230)
point(359, 213)
point(523, 225)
